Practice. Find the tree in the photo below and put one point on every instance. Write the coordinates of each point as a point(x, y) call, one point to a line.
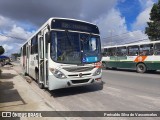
point(1, 50)
point(153, 29)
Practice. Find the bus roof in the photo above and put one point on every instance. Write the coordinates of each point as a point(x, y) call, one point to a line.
point(131, 44)
point(48, 22)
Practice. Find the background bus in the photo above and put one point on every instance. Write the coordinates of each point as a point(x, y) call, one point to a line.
point(139, 56)
point(63, 53)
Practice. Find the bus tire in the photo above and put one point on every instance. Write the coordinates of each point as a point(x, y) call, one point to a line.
point(141, 68)
point(41, 86)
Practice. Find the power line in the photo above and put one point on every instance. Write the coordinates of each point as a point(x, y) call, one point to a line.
point(133, 41)
point(12, 37)
point(138, 40)
point(117, 35)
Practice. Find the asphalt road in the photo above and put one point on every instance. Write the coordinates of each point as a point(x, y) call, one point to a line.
point(122, 91)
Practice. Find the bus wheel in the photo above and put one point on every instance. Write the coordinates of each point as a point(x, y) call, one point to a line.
point(141, 68)
point(38, 81)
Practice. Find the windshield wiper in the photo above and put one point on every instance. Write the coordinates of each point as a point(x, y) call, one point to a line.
point(70, 42)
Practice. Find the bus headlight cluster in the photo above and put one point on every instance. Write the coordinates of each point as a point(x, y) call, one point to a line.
point(97, 72)
point(57, 73)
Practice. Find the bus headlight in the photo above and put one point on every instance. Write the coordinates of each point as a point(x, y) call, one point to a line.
point(97, 72)
point(57, 73)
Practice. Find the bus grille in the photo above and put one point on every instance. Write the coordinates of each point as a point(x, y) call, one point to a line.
point(78, 69)
point(80, 81)
point(76, 75)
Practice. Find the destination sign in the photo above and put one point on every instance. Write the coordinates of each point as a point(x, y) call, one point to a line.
point(74, 25)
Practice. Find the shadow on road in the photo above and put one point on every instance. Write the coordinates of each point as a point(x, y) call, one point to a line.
point(76, 90)
point(8, 94)
point(7, 76)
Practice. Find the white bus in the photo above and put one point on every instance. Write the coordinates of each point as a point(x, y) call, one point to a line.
point(139, 56)
point(63, 53)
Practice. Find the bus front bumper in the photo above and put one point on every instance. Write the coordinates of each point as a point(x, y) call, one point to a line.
point(55, 83)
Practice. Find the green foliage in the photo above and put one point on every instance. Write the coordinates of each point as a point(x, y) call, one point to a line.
point(1, 50)
point(153, 29)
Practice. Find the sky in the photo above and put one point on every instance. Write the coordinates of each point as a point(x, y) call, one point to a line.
point(119, 21)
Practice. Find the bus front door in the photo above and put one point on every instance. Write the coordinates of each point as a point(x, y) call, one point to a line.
point(27, 59)
point(42, 62)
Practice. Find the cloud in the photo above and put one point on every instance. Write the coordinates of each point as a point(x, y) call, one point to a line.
point(111, 23)
point(19, 32)
point(36, 12)
point(5, 23)
point(146, 3)
point(93, 9)
point(3, 38)
point(143, 17)
point(11, 44)
point(114, 31)
point(7, 47)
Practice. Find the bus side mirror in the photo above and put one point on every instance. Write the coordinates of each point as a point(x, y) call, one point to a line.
point(47, 36)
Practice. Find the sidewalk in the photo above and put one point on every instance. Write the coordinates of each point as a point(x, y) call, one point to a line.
point(17, 95)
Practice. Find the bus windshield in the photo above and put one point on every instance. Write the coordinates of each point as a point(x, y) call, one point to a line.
point(74, 48)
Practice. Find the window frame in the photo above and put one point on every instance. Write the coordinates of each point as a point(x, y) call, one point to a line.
point(141, 52)
point(24, 50)
point(129, 50)
point(121, 51)
point(155, 49)
point(114, 54)
point(34, 45)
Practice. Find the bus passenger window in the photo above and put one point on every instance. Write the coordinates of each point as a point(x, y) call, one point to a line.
point(121, 51)
point(146, 49)
point(157, 49)
point(104, 53)
point(133, 50)
point(34, 45)
point(111, 52)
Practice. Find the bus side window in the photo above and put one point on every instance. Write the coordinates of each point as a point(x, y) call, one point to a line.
point(157, 49)
point(34, 45)
point(146, 49)
point(24, 50)
point(111, 51)
point(133, 50)
point(105, 53)
point(121, 51)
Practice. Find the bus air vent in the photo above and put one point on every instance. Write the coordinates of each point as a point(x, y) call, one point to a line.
point(78, 69)
point(80, 81)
